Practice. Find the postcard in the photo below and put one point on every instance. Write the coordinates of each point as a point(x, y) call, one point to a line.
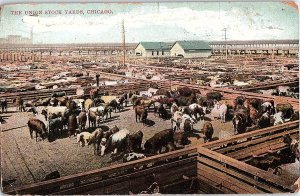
point(159, 97)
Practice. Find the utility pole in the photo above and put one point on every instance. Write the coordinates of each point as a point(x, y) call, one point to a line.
point(123, 42)
point(225, 29)
point(31, 34)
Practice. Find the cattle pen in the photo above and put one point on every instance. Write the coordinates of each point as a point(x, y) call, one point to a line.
point(215, 167)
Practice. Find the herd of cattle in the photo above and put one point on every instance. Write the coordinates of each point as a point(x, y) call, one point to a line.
point(282, 91)
point(184, 107)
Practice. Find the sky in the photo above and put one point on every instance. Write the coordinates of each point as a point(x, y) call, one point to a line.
point(153, 22)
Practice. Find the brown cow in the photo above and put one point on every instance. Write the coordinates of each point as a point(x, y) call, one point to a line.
point(39, 127)
point(208, 131)
point(72, 125)
point(141, 114)
point(158, 141)
point(134, 141)
point(82, 119)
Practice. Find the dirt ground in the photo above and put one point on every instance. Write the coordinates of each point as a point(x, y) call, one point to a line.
point(25, 161)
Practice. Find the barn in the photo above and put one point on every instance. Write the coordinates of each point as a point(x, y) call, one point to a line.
point(191, 49)
point(153, 49)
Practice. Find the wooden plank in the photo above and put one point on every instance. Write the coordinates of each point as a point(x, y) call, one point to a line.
point(144, 174)
point(237, 175)
point(244, 167)
point(108, 170)
point(255, 141)
point(226, 180)
point(263, 147)
point(288, 125)
point(210, 187)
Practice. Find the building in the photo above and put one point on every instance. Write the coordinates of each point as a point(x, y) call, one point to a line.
point(191, 49)
point(15, 39)
point(153, 49)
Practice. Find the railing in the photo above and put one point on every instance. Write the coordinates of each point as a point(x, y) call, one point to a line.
point(221, 174)
point(256, 142)
point(170, 168)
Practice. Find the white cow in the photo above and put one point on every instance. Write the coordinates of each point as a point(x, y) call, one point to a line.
point(83, 138)
point(219, 111)
point(56, 110)
point(278, 117)
point(283, 90)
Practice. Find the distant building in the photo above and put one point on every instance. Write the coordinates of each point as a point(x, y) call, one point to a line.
point(15, 39)
point(153, 49)
point(191, 49)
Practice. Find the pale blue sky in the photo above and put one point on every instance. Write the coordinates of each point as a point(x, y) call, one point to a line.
point(155, 22)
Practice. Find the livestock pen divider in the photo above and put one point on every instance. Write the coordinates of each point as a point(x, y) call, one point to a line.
point(212, 171)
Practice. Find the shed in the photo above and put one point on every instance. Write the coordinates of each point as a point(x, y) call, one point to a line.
point(153, 49)
point(191, 49)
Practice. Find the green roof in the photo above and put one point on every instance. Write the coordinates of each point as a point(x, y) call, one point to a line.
point(156, 45)
point(194, 45)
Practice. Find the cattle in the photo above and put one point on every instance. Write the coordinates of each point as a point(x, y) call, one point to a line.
point(196, 110)
point(141, 114)
point(95, 139)
point(161, 139)
point(291, 153)
point(252, 113)
point(102, 111)
point(82, 119)
point(208, 131)
point(214, 96)
point(185, 91)
point(38, 127)
point(2, 121)
point(205, 102)
point(255, 102)
point(268, 106)
point(161, 110)
point(97, 102)
point(93, 119)
point(53, 101)
point(239, 101)
point(3, 104)
point(185, 101)
point(239, 121)
point(180, 139)
point(117, 141)
point(71, 105)
point(88, 103)
point(187, 124)
point(278, 118)
point(264, 162)
point(264, 121)
point(132, 157)
point(59, 111)
point(56, 125)
point(72, 125)
point(19, 104)
point(268, 92)
point(111, 131)
point(219, 111)
point(283, 90)
point(115, 105)
point(134, 141)
point(286, 109)
point(174, 108)
point(83, 138)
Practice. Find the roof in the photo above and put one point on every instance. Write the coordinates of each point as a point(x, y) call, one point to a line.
point(155, 45)
point(194, 45)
